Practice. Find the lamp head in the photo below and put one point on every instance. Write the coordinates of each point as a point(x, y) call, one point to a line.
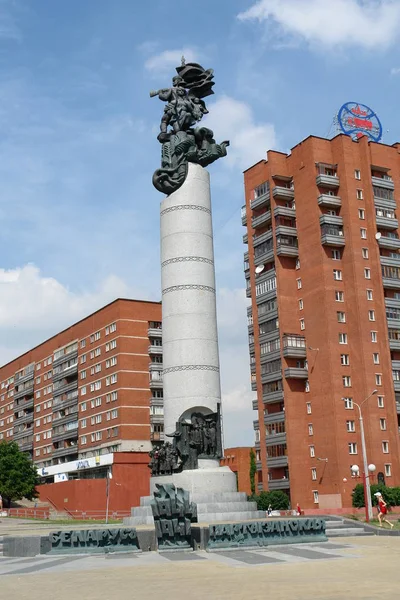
point(355, 469)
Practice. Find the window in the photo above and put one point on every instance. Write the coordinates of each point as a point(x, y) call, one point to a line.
point(381, 403)
point(336, 255)
point(374, 336)
point(83, 406)
point(382, 423)
point(83, 343)
point(314, 474)
point(95, 386)
point(83, 359)
point(369, 294)
point(316, 497)
point(307, 386)
point(359, 194)
point(38, 394)
point(346, 381)
point(302, 324)
point(298, 284)
point(367, 273)
point(388, 470)
point(83, 439)
point(375, 358)
point(95, 337)
point(337, 275)
point(114, 413)
point(310, 429)
point(83, 423)
point(363, 233)
point(312, 451)
point(339, 296)
point(83, 390)
point(345, 360)
point(308, 408)
point(37, 423)
point(357, 174)
point(114, 378)
point(352, 448)
point(361, 214)
point(342, 338)
point(371, 315)
point(385, 447)
point(350, 426)
point(300, 304)
point(365, 253)
point(297, 263)
point(83, 374)
point(341, 317)
point(378, 379)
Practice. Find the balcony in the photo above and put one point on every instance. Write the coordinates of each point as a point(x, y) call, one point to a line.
point(394, 344)
point(267, 377)
point(64, 357)
point(294, 346)
point(255, 404)
point(280, 192)
point(156, 380)
point(296, 373)
point(66, 435)
point(392, 283)
point(26, 446)
point(18, 435)
point(261, 220)
point(329, 201)
point(383, 182)
point(265, 257)
point(389, 223)
point(244, 215)
point(259, 468)
point(61, 404)
point(155, 366)
point(155, 349)
point(245, 239)
point(69, 418)
point(157, 436)
point(285, 230)
point(329, 181)
point(67, 372)
point(287, 246)
point(277, 461)
point(396, 385)
point(332, 230)
point(263, 200)
point(25, 377)
point(278, 484)
point(24, 404)
point(68, 386)
point(275, 438)
point(154, 332)
point(387, 203)
point(284, 211)
point(273, 397)
point(277, 417)
point(389, 242)
point(390, 261)
point(68, 451)
point(28, 418)
point(25, 392)
point(158, 419)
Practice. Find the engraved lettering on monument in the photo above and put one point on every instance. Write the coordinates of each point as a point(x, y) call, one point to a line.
point(94, 541)
point(173, 515)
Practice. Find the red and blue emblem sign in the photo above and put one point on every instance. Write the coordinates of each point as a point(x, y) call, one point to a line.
point(357, 119)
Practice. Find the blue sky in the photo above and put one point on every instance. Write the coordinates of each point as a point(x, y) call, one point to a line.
point(79, 215)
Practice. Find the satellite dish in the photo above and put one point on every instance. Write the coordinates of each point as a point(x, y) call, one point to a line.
point(260, 269)
point(378, 235)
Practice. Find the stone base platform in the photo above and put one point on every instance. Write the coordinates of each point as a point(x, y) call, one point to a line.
point(211, 508)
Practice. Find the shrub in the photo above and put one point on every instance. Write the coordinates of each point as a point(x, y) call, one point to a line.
point(390, 495)
point(277, 499)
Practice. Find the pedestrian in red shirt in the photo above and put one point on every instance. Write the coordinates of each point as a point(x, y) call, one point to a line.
point(298, 510)
point(382, 510)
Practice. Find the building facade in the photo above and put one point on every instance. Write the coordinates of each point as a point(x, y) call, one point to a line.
point(238, 460)
point(323, 273)
point(92, 390)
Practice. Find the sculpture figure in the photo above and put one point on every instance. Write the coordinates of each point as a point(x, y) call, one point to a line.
point(181, 141)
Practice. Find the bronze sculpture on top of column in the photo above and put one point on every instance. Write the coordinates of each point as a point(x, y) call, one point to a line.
point(181, 141)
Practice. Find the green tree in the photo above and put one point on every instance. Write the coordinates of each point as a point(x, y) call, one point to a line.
point(390, 495)
point(277, 499)
point(253, 471)
point(18, 475)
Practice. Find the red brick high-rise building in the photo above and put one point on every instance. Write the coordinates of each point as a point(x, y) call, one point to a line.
point(89, 392)
point(323, 274)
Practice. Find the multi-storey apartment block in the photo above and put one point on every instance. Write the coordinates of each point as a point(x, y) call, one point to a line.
point(323, 273)
point(88, 392)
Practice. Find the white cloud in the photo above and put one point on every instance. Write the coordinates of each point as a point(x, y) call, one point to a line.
point(370, 24)
point(395, 71)
point(34, 307)
point(169, 59)
point(233, 120)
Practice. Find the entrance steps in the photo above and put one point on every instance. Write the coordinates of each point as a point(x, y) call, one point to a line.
point(337, 527)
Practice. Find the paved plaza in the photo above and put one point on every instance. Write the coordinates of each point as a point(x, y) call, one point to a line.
point(353, 568)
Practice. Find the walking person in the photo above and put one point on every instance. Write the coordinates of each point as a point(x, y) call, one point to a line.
point(382, 510)
point(298, 510)
point(269, 510)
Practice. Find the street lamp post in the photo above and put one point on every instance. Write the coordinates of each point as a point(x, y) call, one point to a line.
point(367, 489)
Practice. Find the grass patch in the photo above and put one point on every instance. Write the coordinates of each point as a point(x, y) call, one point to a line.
point(68, 521)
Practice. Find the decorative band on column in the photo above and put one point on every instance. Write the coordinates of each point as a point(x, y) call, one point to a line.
point(179, 259)
point(180, 288)
point(191, 368)
point(185, 207)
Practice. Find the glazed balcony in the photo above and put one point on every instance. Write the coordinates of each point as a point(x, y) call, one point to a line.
point(69, 434)
point(296, 373)
point(263, 200)
point(66, 373)
point(329, 201)
point(244, 215)
point(383, 182)
point(157, 436)
point(281, 192)
point(390, 261)
point(69, 418)
point(387, 203)
point(156, 380)
point(294, 346)
point(287, 245)
point(245, 239)
point(265, 253)
point(388, 223)
point(64, 357)
point(59, 403)
point(329, 181)
point(332, 233)
point(391, 283)
point(389, 242)
point(68, 451)
point(67, 386)
point(261, 220)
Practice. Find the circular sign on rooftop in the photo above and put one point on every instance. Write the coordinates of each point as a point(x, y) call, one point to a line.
point(357, 119)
